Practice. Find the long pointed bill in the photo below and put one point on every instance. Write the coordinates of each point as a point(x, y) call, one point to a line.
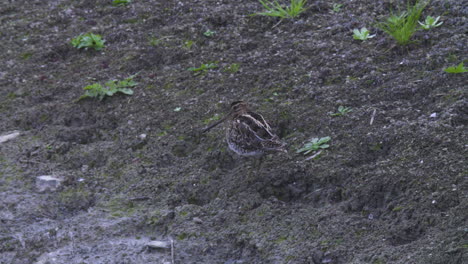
point(215, 124)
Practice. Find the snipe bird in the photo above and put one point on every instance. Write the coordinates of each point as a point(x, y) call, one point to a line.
point(247, 133)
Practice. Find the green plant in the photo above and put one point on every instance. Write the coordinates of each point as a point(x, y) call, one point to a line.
point(204, 67)
point(188, 44)
point(209, 33)
point(233, 68)
point(88, 40)
point(342, 110)
point(337, 8)
point(121, 2)
point(154, 41)
point(430, 22)
point(362, 34)
point(314, 144)
point(456, 69)
point(275, 9)
point(402, 26)
point(111, 87)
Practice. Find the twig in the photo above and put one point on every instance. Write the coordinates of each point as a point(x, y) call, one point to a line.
point(139, 198)
point(277, 23)
point(172, 251)
point(313, 156)
point(372, 117)
point(30, 161)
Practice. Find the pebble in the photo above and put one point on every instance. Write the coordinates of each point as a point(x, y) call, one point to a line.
point(159, 244)
point(10, 136)
point(197, 220)
point(47, 182)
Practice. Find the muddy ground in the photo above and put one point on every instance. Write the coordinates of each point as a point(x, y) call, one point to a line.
point(390, 190)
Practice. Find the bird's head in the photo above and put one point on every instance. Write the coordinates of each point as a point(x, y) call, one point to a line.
point(239, 106)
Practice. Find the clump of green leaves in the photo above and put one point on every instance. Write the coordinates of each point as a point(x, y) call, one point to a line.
point(431, 22)
point(88, 40)
point(336, 8)
point(456, 69)
point(362, 34)
point(342, 110)
point(275, 9)
point(120, 2)
point(209, 33)
point(314, 144)
point(203, 68)
point(233, 68)
point(402, 26)
point(111, 87)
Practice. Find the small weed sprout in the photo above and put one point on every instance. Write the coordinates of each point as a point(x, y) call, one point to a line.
point(120, 2)
point(204, 68)
point(275, 9)
point(98, 91)
point(209, 33)
point(233, 68)
point(401, 27)
point(336, 8)
point(188, 44)
point(154, 41)
point(430, 22)
point(362, 34)
point(314, 144)
point(342, 110)
point(88, 40)
point(456, 69)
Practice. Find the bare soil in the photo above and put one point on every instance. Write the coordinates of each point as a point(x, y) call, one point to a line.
point(136, 168)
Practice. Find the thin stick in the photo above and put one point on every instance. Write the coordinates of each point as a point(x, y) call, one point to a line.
point(172, 251)
point(277, 24)
point(372, 117)
point(313, 156)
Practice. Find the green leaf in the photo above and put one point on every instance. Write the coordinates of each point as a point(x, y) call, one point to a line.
point(458, 69)
point(314, 144)
point(126, 91)
point(88, 40)
point(112, 87)
point(120, 2)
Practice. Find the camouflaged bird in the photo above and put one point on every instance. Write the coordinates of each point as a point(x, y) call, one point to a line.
point(247, 133)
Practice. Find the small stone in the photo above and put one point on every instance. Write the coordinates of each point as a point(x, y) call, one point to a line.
point(47, 182)
point(84, 168)
point(9, 136)
point(197, 220)
point(433, 115)
point(142, 136)
point(159, 244)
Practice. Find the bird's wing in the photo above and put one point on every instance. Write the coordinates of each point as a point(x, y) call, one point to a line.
point(257, 125)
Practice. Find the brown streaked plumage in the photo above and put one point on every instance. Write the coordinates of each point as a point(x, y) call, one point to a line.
point(247, 133)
